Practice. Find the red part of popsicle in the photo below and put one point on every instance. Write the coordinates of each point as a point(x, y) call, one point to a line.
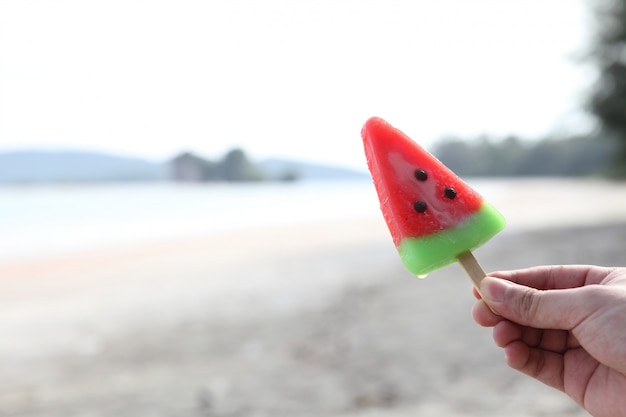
point(419, 195)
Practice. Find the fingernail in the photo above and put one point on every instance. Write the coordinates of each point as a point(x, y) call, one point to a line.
point(493, 289)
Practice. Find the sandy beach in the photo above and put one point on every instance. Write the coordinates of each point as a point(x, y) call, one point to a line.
point(318, 319)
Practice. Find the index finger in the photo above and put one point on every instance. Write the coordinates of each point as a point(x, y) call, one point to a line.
point(550, 277)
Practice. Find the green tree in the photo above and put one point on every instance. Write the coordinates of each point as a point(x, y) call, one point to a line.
point(237, 167)
point(608, 99)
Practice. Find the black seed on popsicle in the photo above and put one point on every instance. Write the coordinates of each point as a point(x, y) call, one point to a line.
point(450, 193)
point(421, 175)
point(419, 206)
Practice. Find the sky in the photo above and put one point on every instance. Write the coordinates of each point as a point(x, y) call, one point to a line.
point(289, 78)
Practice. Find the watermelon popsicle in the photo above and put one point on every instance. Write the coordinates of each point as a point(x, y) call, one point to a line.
point(434, 217)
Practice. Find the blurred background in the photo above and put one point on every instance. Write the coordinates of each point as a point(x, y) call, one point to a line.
point(188, 227)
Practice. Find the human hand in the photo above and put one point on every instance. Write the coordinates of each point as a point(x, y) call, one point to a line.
point(564, 326)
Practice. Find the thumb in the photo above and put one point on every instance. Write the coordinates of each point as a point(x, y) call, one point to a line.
point(545, 309)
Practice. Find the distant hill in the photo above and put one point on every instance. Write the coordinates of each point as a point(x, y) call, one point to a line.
point(76, 166)
point(82, 166)
point(281, 169)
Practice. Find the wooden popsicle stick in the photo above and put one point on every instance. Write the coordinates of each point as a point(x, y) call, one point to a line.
point(472, 268)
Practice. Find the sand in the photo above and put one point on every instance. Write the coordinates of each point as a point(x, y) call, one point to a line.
point(314, 320)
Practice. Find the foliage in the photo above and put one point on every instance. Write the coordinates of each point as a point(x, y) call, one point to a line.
point(234, 166)
point(608, 99)
point(580, 156)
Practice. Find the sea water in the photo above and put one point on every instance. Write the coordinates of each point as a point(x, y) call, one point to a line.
point(51, 219)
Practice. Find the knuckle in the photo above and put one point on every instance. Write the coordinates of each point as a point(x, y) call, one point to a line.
point(527, 304)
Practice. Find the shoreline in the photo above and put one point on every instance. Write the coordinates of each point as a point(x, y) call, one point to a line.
point(527, 204)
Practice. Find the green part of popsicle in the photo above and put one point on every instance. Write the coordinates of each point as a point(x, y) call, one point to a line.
point(422, 255)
